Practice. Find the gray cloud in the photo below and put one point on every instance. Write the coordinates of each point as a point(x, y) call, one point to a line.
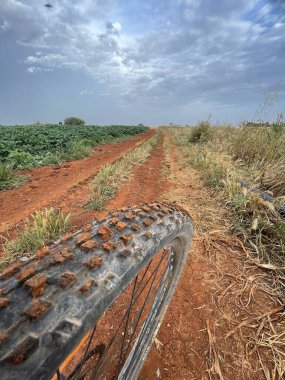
point(220, 53)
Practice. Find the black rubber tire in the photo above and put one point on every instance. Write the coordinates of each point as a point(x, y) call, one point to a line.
point(48, 304)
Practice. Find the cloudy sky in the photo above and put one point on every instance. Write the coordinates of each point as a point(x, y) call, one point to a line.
point(133, 61)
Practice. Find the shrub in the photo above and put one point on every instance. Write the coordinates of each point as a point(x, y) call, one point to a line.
point(201, 133)
point(74, 121)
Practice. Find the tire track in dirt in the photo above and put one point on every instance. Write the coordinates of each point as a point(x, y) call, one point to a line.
point(145, 184)
point(47, 184)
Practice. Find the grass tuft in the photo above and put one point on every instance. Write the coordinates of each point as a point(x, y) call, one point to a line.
point(39, 228)
point(9, 177)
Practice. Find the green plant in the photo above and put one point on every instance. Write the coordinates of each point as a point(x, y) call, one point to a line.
point(74, 121)
point(201, 133)
point(21, 159)
point(9, 177)
point(76, 151)
point(42, 226)
point(34, 145)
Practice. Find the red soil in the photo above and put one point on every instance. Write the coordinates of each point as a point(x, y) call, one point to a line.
point(47, 185)
point(185, 352)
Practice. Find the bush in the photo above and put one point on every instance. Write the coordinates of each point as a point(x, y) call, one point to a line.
point(202, 133)
point(73, 121)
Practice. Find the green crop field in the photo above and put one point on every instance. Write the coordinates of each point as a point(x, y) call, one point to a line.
point(34, 145)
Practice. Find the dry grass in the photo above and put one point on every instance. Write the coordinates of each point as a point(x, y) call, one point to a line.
point(273, 178)
point(249, 288)
point(39, 228)
point(255, 220)
point(111, 176)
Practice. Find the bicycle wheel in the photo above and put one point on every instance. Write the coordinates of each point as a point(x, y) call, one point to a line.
point(89, 305)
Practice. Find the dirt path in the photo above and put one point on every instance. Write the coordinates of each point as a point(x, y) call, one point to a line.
point(147, 182)
point(48, 185)
point(200, 337)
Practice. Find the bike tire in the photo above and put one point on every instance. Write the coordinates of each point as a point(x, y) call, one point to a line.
point(48, 304)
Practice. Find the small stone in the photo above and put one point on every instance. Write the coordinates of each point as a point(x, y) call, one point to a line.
point(93, 262)
point(87, 285)
point(153, 217)
point(137, 210)
point(156, 208)
point(89, 244)
point(147, 223)
point(123, 209)
point(82, 238)
point(142, 214)
point(120, 225)
point(3, 302)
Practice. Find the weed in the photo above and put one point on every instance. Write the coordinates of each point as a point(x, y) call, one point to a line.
point(42, 226)
point(9, 177)
point(201, 133)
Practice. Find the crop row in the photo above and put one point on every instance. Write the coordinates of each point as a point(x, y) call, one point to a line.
point(28, 146)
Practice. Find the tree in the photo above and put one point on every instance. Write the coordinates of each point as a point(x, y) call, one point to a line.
point(73, 121)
